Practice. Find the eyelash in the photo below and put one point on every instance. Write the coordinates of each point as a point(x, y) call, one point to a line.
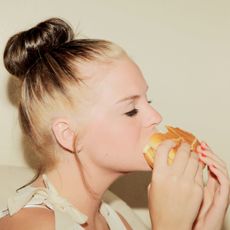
point(134, 111)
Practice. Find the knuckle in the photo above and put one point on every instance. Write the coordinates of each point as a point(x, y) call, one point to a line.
point(184, 146)
point(161, 147)
point(164, 147)
point(169, 141)
point(166, 144)
point(197, 188)
point(191, 186)
point(194, 154)
point(158, 178)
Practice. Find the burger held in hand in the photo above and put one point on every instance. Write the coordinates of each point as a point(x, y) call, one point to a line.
point(177, 135)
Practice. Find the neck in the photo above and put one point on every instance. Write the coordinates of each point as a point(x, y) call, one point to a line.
point(82, 187)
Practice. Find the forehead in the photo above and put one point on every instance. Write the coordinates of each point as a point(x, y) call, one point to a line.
point(122, 79)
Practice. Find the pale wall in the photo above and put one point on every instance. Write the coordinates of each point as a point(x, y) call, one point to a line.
point(182, 47)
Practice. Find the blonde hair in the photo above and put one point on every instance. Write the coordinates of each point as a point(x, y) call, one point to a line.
point(46, 58)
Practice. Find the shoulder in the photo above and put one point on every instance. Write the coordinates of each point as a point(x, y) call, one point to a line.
point(29, 219)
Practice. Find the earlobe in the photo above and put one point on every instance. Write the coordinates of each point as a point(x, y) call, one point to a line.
point(64, 134)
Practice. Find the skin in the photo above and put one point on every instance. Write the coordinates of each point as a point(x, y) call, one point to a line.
point(216, 198)
point(111, 142)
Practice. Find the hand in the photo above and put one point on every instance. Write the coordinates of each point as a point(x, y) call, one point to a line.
point(176, 191)
point(216, 192)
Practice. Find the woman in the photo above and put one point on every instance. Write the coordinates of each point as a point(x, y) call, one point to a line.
point(84, 108)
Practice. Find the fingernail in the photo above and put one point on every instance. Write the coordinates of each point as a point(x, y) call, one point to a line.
point(203, 155)
point(202, 147)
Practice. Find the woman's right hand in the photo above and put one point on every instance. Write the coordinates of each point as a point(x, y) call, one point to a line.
point(176, 191)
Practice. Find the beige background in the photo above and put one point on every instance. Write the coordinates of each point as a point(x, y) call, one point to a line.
point(182, 47)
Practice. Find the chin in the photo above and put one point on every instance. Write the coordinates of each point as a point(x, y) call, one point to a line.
point(145, 167)
point(142, 166)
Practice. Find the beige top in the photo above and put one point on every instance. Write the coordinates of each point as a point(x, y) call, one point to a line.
point(66, 215)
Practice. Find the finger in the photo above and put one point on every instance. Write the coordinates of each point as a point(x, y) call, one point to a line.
point(208, 151)
point(181, 158)
point(224, 184)
point(205, 147)
point(199, 175)
point(160, 162)
point(192, 167)
point(209, 196)
point(212, 182)
point(209, 161)
point(201, 162)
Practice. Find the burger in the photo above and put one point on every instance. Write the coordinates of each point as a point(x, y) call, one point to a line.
point(177, 135)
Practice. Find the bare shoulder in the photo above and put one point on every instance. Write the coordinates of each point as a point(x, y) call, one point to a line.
point(29, 219)
point(128, 227)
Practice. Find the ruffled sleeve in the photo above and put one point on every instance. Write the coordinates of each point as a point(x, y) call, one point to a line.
point(66, 216)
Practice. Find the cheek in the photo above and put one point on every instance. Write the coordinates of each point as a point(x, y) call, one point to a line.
point(110, 143)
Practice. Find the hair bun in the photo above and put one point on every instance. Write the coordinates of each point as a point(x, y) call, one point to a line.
point(25, 48)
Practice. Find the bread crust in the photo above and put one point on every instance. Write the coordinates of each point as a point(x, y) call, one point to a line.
point(173, 133)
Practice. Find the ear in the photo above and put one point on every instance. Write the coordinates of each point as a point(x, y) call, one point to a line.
point(64, 134)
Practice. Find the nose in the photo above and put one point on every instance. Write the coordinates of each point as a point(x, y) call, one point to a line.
point(152, 117)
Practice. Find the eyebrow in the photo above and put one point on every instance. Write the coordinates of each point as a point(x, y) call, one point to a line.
point(130, 97)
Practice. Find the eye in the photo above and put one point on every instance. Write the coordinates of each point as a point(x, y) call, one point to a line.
point(132, 112)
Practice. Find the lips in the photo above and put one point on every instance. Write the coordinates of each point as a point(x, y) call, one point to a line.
point(176, 134)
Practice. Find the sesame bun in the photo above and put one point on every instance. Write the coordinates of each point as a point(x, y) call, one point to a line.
point(176, 134)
